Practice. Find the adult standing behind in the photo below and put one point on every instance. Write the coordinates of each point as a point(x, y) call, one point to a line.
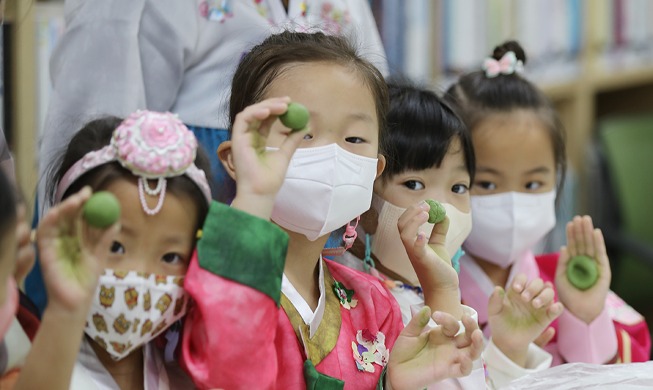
point(169, 55)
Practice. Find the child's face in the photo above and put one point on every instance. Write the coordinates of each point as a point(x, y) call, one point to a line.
point(448, 183)
point(342, 108)
point(160, 243)
point(8, 249)
point(514, 153)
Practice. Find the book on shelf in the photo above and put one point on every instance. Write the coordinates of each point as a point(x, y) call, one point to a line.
point(440, 39)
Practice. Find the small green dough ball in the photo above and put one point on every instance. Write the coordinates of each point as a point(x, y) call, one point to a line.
point(437, 211)
point(102, 209)
point(296, 117)
point(582, 272)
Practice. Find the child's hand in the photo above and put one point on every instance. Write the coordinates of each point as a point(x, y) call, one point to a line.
point(583, 239)
point(521, 316)
point(26, 254)
point(431, 262)
point(422, 357)
point(260, 172)
point(72, 254)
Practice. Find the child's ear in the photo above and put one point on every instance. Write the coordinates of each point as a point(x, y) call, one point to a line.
point(226, 158)
point(380, 165)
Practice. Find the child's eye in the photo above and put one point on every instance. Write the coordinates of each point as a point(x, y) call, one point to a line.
point(355, 140)
point(308, 136)
point(459, 189)
point(487, 185)
point(172, 258)
point(533, 185)
point(117, 248)
point(414, 185)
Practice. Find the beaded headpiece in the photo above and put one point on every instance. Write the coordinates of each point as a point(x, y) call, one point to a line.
point(152, 146)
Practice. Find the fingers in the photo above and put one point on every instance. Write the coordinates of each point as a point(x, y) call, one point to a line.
point(495, 303)
point(62, 218)
point(439, 232)
point(258, 117)
point(519, 283)
point(26, 254)
point(408, 225)
point(292, 142)
point(417, 323)
point(555, 310)
point(572, 244)
point(580, 238)
point(447, 322)
point(600, 250)
point(544, 297)
point(588, 235)
point(545, 337)
point(411, 219)
point(533, 288)
point(472, 338)
point(563, 259)
point(97, 251)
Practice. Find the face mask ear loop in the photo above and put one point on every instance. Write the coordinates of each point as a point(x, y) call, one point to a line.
point(349, 237)
point(350, 234)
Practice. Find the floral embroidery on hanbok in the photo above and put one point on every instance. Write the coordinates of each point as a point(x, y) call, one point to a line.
point(369, 349)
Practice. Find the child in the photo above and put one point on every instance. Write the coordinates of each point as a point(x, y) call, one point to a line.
point(336, 327)
point(26, 364)
point(432, 158)
point(148, 161)
point(520, 152)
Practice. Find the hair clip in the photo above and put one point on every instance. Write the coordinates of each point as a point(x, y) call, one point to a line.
point(152, 146)
point(508, 64)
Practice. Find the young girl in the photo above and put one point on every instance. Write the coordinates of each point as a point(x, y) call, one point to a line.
point(336, 327)
point(432, 158)
point(25, 363)
point(520, 152)
point(148, 161)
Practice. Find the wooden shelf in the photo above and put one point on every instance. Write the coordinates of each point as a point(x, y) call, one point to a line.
point(593, 90)
point(621, 79)
point(561, 91)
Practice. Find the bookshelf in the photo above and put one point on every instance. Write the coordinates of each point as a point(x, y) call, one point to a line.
point(591, 57)
point(597, 66)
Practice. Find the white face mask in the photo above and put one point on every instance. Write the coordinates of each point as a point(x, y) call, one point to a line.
point(387, 245)
point(507, 225)
point(325, 188)
point(131, 308)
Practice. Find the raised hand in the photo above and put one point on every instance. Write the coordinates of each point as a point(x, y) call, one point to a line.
point(421, 357)
point(430, 260)
point(260, 172)
point(26, 254)
point(522, 315)
point(583, 239)
point(72, 255)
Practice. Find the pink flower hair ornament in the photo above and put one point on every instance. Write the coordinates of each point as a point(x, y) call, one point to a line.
point(508, 64)
point(152, 146)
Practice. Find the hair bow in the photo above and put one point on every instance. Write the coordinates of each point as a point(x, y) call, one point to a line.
point(508, 64)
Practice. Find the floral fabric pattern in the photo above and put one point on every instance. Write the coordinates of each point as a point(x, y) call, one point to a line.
point(369, 349)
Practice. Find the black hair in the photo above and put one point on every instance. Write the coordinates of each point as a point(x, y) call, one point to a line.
point(95, 135)
point(8, 202)
point(476, 96)
point(420, 127)
point(268, 60)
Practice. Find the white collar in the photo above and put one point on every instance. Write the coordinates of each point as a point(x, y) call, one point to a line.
point(89, 373)
point(312, 319)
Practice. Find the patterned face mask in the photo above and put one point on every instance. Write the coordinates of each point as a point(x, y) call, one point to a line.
point(131, 308)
